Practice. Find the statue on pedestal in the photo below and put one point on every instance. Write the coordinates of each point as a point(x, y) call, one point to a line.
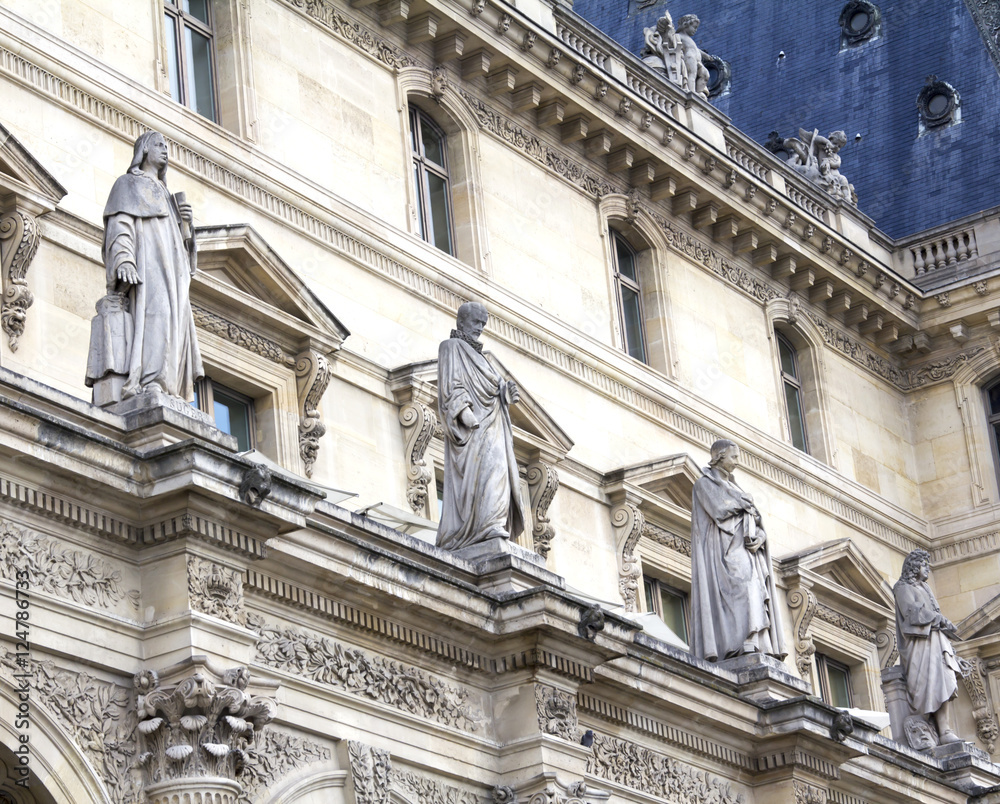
point(732, 588)
point(818, 159)
point(143, 336)
point(928, 660)
point(481, 484)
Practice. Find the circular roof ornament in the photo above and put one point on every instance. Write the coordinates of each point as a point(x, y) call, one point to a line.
point(938, 103)
point(859, 22)
point(719, 74)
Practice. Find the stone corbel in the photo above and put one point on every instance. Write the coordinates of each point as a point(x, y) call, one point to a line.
point(982, 710)
point(885, 641)
point(19, 240)
point(628, 522)
point(803, 604)
point(312, 376)
point(419, 426)
point(543, 483)
point(193, 733)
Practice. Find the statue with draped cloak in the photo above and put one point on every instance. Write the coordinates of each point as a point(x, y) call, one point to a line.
point(481, 484)
point(733, 602)
point(143, 337)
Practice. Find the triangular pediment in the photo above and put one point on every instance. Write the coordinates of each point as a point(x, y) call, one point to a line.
point(842, 569)
point(984, 621)
point(537, 436)
point(23, 176)
point(237, 268)
point(671, 478)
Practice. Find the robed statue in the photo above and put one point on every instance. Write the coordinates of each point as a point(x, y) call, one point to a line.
point(929, 663)
point(481, 484)
point(733, 602)
point(143, 337)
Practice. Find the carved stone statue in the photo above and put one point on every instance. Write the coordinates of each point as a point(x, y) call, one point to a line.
point(143, 337)
point(732, 587)
point(929, 663)
point(818, 159)
point(481, 496)
point(675, 53)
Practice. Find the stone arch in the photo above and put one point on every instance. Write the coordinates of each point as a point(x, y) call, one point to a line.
point(314, 783)
point(433, 92)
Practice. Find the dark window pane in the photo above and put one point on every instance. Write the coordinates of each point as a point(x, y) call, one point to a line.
point(199, 68)
point(795, 424)
point(437, 192)
point(433, 143)
point(233, 416)
point(673, 613)
point(647, 588)
point(632, 321)
point(626, 259)
point(197, 9)
point(413, 130)
point(173, 68)
point(421, 201)
point(787, 357)
point(839, 680)
point(995, 399)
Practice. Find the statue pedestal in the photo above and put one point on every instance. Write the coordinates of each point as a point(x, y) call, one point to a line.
point(154, 419)
point(896, 702)
point(504, 566)
point(764, 678)
point(967, 767)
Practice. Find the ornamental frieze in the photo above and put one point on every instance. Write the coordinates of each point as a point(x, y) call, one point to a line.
point(376, 678)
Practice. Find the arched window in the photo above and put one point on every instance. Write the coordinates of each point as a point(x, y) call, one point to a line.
point(629, 297)
point(430, 165)
point(791, 383)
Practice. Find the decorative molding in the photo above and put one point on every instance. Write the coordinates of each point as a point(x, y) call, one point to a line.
point(631, 765)
point(215, 590)
point(275, 754)
point(312, 377)
point(885, 642)
point(19, 240)
point(241, 336)
point(808, 793)
point(354, 671)
point(419, 424)
point(429, 791)
point(96, 715)
point(803, 604)
point(987, 729)
point(543, 483)
point(627, 521)
point(78, 575)
point(671, 541)
point(556, 712)
point(371, 769)
point(845, 623)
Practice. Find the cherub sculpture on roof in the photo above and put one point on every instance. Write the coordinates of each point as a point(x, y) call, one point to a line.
point(673, 52)
point(818, 159)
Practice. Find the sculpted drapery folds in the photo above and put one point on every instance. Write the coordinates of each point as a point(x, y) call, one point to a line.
point(481, 498)
point(143, 337)
point(929, 662)
point(732, 589)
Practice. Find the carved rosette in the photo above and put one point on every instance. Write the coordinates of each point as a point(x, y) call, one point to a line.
point(986, 722)
point(312, 376)
point(193, 735)
point(628, 522)
point(18, 243)
point(371, 770)
point(803, 604)
point(556, 712)
point(216, 590)
point(543, 483)
point(419, 424)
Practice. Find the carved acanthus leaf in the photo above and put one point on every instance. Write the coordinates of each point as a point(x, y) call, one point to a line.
point(312, 376)
point(986, 721)
point(19, 240)
point(419, 426)
point(371, 769)
point(430, 791)
point(375, 677)
point(556, 712)
point(543, 483)
point(275, 754)
point(216, 590)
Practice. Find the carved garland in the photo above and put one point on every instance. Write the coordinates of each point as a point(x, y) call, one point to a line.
point(19, 240)
point(370, 769)
point(669, 540)
point(628, 522)
point(374, 677)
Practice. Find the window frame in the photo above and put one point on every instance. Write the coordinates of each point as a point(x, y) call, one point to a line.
point(992, 423)
point(793, 381)
point(633, 285)
point(183, 20)
point(205, 396)
point(653, 589)
point(824, 663)
point(418, 119)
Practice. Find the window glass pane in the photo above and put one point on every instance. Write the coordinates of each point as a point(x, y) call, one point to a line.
point(632, 323)
point(199, 69)
point(421, 201)
point(173, 68)
point(795, 424)
point(839, 685)
point(626, 259)
point(433, 143)
point(233, 416)
point(197, 9)
point(673, 613)
point(647, 588)
point(437, 192)
point(413, 130)
point(787, 357)
point(995, 399)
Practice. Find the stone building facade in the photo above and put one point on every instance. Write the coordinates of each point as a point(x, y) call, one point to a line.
point(261, 614)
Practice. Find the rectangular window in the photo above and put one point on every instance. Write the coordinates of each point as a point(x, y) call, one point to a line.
point(669, 604)
point(629, 298)
point(792, 386)
point(191, 55)
point(233, 412)
point(834, 682)
point(430, 172)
